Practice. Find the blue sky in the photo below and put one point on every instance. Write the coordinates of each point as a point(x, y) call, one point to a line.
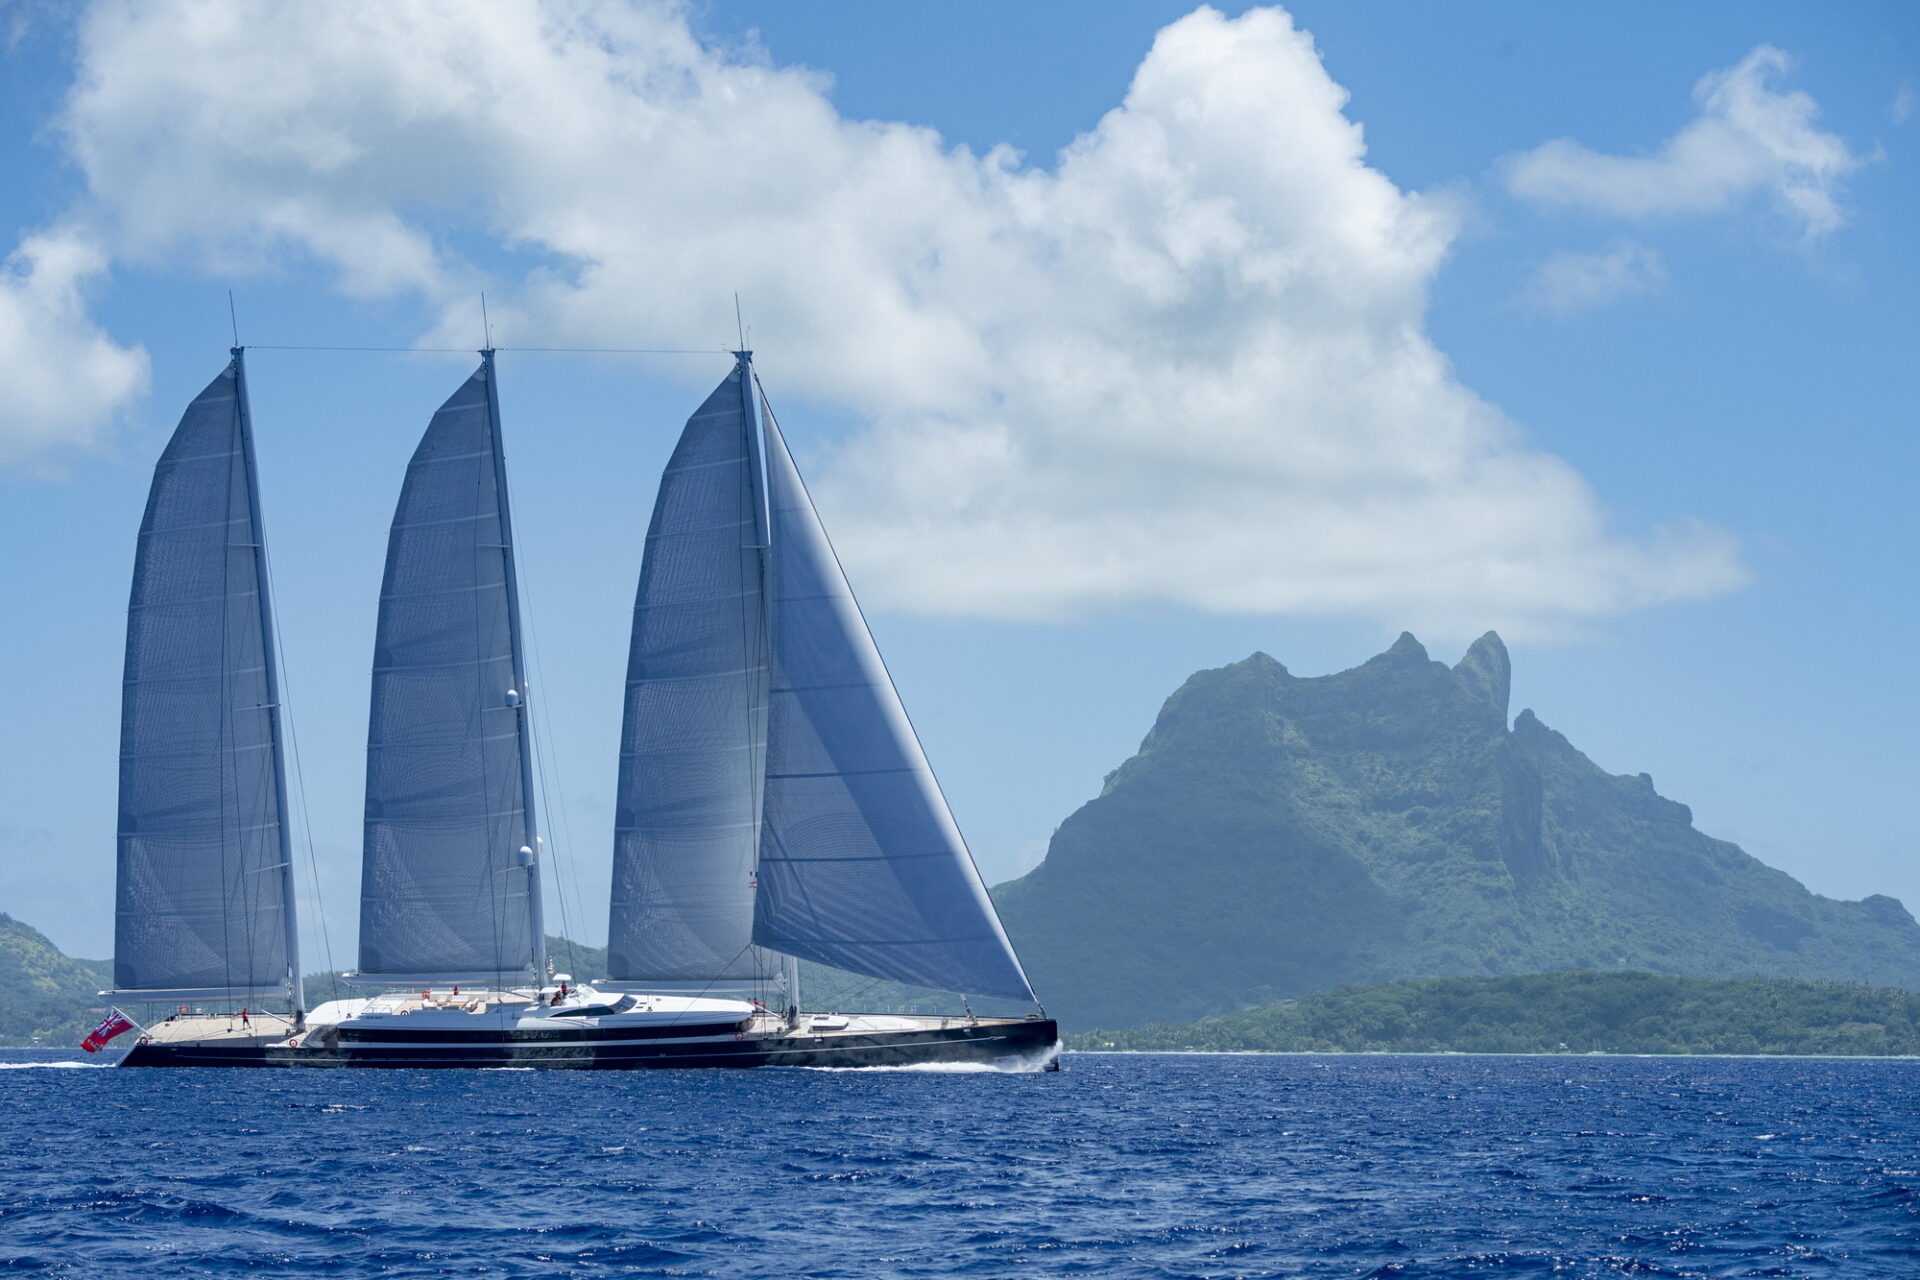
point(1595, 326)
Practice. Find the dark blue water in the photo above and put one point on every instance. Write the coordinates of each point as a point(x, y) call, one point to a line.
point(1118, 1166)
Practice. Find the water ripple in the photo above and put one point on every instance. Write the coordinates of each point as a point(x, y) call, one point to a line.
point(1413, 1168)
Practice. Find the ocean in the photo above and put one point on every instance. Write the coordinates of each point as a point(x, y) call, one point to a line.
point(1118, 1166)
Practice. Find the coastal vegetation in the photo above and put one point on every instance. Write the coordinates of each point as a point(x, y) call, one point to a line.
point(1573, 1012)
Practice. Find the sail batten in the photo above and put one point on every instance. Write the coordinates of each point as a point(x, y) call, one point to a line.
point(201, 831)
point(444, 887)
point(862, 866)
point(693, 737)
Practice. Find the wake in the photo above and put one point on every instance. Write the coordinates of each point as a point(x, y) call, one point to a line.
point(51, 1066)
point(1008, 1067)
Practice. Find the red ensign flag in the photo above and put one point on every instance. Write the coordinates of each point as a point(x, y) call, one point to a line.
point(115, 1023)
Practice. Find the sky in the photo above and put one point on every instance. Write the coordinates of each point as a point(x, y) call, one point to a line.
point(1117, 341)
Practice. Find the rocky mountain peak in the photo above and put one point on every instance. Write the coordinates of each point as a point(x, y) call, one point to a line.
point(1487, 672)
point(1405, 649)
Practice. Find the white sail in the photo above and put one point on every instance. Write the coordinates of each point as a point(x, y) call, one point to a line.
point(204, 903)
point(861, 864)
point(693, 743)
point(448, 883)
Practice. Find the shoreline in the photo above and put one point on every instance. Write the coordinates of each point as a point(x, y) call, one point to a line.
point(1477, 1053)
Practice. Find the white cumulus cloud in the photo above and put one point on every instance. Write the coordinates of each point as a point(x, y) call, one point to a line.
point(1572, 281)
point(1182, 362)
point(1748, 138)
point(63, 378)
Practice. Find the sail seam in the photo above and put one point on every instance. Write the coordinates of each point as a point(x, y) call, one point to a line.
point(131, 680)
point(639, 830)
point(634, 753)
point(437, 666)
point(705, 675)
point(200, 457)
point(914, 942)
point(863, 857)
point(148, 832)
point(705, 528)
point(672, 470)
point(438, 742)
point(429, 524)
point(181, 604)
point(192, 528)
point(401, 821)
point(190, 751)
point(676, 604)
point(448, 457)
point(842, 773)
point(445, 591)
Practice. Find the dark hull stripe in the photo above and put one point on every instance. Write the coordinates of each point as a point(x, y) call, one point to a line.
point(986, 1044)
point(563, 1034)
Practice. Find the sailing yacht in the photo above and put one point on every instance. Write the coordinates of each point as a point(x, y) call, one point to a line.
point(773, 805)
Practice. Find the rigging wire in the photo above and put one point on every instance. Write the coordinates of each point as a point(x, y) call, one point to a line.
point(227, 763)
point(497, 493)
point(300, 786)
point(544, 747)
point(463, 351)
point(624, 351)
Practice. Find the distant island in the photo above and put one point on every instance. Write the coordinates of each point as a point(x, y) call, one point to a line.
point(1278, 835)
point(1576, 1012)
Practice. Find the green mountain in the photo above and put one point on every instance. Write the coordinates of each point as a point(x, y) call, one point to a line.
point(1577, 1012)
point(46, 998)
point(1278, 835)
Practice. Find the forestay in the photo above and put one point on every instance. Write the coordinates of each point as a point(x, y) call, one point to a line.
point(443, 888)
point(202, 903)
point(861, 864)
point(693, 745)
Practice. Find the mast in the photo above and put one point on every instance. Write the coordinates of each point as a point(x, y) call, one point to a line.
point(789, 965)
point(530, 854)
point(257, 533)
point(749, 408)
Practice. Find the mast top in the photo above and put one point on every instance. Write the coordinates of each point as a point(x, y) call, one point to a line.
point(744, 357)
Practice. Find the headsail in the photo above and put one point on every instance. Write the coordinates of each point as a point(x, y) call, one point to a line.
point(693, 745)
point(861, 864)
point(204, 903)
point(446, 890)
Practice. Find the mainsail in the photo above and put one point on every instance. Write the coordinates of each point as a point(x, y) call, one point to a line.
point(693, 745)
point(205, 901)
point(449, 879)
point(861, 864)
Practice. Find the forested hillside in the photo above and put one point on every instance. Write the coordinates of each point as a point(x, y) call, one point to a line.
point(1557, 1013)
